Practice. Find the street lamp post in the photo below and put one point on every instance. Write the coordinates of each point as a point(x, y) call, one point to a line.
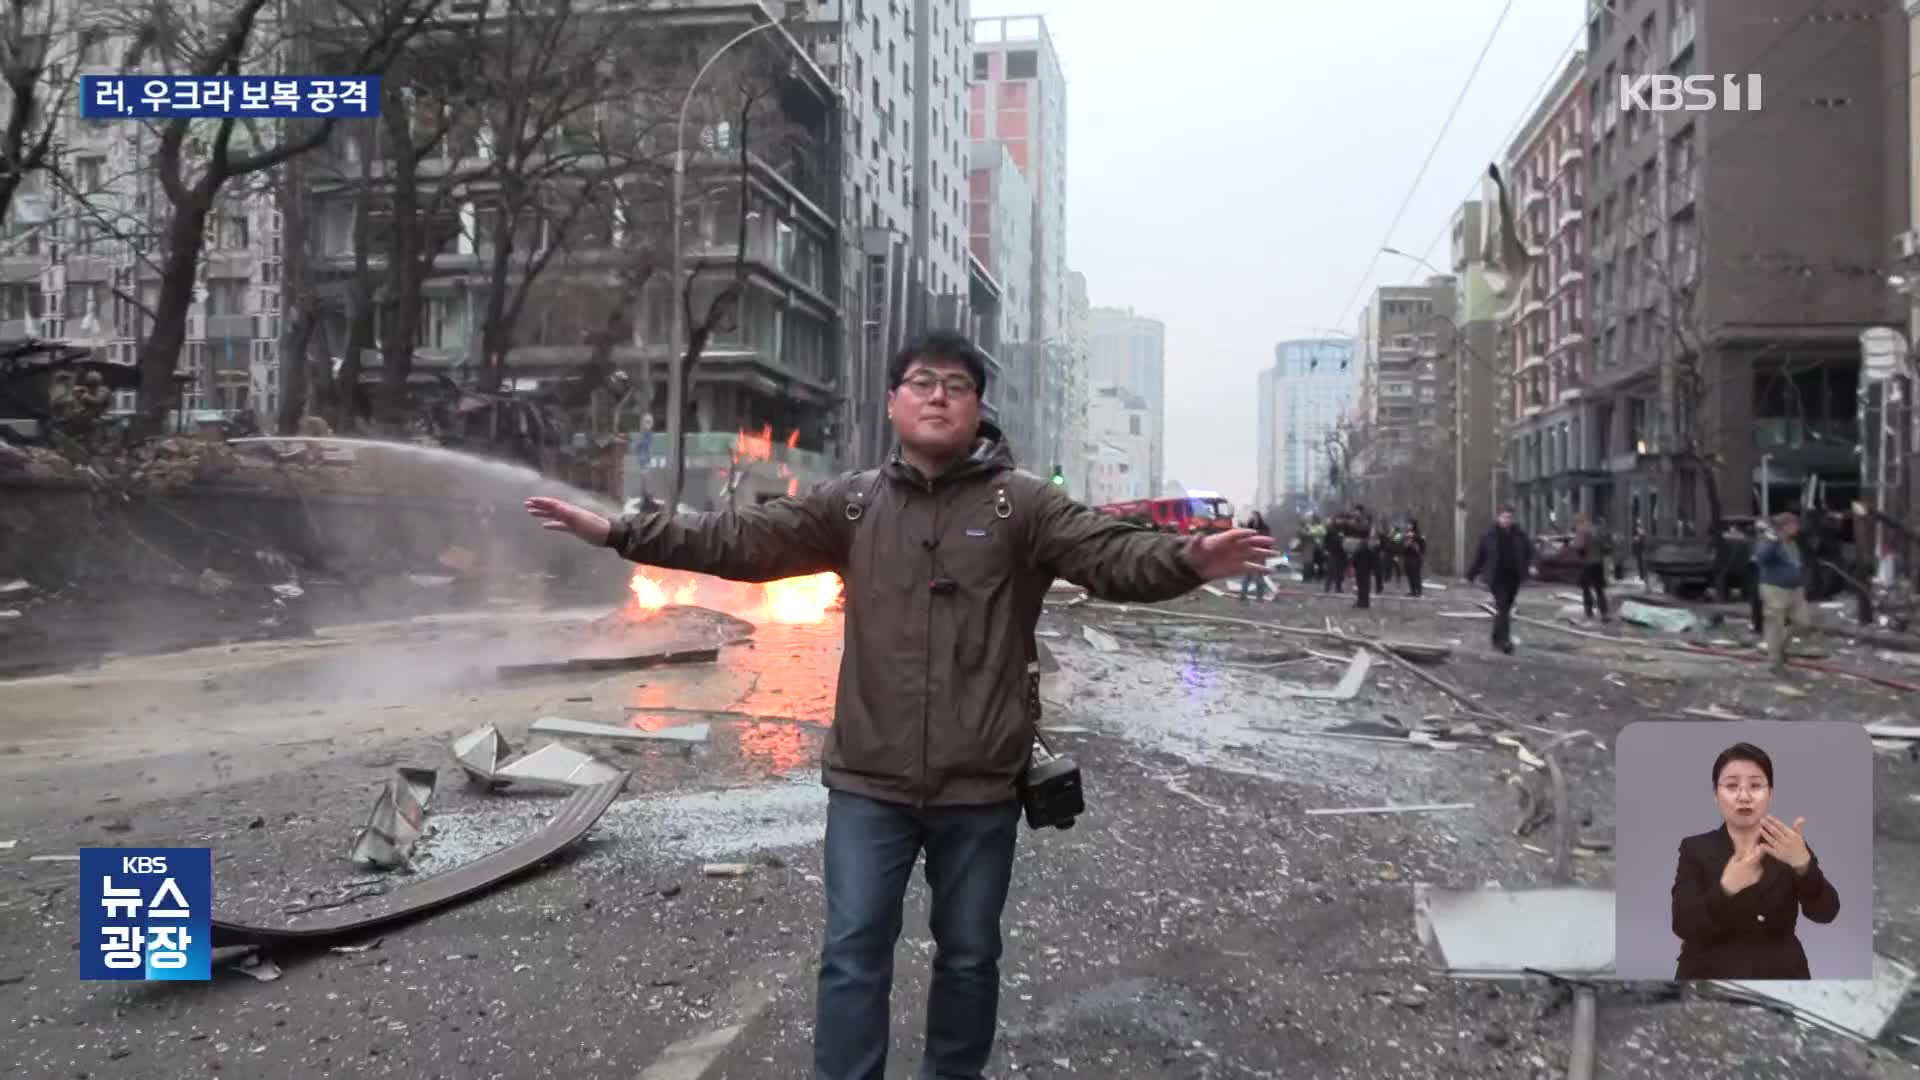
point(676, 300)
point(1459, 432)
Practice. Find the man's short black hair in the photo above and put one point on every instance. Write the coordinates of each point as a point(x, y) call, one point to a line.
point(948, 345)
point(1743, 751)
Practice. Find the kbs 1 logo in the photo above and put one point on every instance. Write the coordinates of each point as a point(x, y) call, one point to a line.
point(146, 913)
point(1693, 93)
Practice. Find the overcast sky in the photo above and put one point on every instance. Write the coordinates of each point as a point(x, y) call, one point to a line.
point(1233, 165)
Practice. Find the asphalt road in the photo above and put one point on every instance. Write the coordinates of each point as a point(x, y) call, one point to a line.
point(1197, 923)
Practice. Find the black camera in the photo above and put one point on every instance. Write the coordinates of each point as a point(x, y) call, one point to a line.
point(1050, 790)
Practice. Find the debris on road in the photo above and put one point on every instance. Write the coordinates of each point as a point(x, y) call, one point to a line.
point(257, 967)
point(53, 858)
point(560, 766)
point(727, 870)
point(610, 662)
point(398, 821)
point(1671, 620)
point(1101, 640)
point(1419, 808)
point(560, 725)
point(480, 752)
point(1860, 1008)
point(570, 822)
point(1511, 933)
point(1350, 681)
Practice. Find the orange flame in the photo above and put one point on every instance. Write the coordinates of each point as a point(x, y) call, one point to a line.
point(650, 594)
point(750, 447)
point(799, 600)
point(793, 438)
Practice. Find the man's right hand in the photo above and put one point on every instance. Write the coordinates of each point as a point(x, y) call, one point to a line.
point(1742, 871)
point(562, 516)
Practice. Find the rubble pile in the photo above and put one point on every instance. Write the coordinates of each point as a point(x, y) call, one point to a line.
point(179, 462)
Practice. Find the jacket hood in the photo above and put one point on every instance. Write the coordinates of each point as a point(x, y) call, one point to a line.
point(990, 454)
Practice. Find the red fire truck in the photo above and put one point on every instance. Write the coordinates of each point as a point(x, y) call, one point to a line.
point(1197, 512)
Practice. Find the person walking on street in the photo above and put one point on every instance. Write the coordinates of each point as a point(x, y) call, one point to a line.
point(1590, 541)
point(1413, 555)
point(1640, 552)
point(1382, 558)
point(1337, 554)
point(1783, 586)
point(946, 552)
point(1506, 555)
point(1256, 579)
point(1362, 554)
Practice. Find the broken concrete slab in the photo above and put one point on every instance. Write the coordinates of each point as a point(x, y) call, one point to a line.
point(1101, 640)
point(481, 752)
point(610, 662)
point(556, 765)
point(1511, 933)
point(398, 821)
point(1350, 681)
point(1656, 617)
point(1857, 1007)
point(570, 821)
point(560, 725)
point(1416, 808)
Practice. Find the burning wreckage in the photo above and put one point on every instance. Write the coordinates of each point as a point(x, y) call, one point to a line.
point(398, 822)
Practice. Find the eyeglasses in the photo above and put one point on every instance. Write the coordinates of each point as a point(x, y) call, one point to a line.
point(922, 383)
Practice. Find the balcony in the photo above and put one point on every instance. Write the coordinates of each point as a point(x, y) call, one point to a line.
point(1571, 155)
point(1573, 270)
point(1573, 332)
point(1535, 196)
point(1531, 362)
point(1534, 307)
point(1680, 33)
point(1571, 210)
point(1680, 192)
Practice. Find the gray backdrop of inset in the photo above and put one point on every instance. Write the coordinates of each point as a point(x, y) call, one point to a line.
point(1663, 791)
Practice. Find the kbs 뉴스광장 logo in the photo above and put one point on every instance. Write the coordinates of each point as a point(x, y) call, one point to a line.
point(146, 913)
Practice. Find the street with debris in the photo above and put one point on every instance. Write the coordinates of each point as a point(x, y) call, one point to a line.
point(1281, 796)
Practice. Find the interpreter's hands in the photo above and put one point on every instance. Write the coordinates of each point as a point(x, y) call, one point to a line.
point(562, 516)
point(1743, 871)
point(1786, 843)
point(1229, 553)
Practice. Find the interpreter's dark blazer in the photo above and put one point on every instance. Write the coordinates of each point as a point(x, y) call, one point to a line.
point(1748, 935)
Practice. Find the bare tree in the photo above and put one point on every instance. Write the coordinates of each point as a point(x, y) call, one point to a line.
point(40, 51)
point(195, 160)
point(553, 78)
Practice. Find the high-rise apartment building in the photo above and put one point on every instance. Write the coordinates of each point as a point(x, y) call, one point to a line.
point(1073, 441)
point(1130, 351)
point(1019, 99)
point(1119, 428)
point(1546, 404)
point(1735, 255)
point(1303, 396)
point(1000, 228)
point(1400, 381)
point(902, 69)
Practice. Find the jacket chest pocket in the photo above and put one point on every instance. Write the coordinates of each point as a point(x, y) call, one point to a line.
point(978, 543)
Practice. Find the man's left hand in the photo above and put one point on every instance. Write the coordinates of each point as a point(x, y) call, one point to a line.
point(1228, 554)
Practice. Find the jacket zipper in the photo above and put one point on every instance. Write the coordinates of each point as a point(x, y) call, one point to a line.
point(926, 685)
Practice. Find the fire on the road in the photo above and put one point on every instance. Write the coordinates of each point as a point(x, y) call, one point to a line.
point(799, 600)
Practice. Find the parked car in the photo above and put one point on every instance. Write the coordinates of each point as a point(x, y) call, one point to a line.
point(1555, 559)
point(1693, 565)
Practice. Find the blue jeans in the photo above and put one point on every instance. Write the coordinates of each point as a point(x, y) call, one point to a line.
point(871, 847)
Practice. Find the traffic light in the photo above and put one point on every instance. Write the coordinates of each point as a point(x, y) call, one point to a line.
point(1059, 478)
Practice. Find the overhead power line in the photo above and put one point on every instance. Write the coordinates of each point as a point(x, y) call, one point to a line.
point(1439, 136)
point(1539, 95)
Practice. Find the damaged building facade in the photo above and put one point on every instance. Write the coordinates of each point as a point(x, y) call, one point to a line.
point(1729, 280)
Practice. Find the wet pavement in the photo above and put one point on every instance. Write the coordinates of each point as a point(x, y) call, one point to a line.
point(1197, 923)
